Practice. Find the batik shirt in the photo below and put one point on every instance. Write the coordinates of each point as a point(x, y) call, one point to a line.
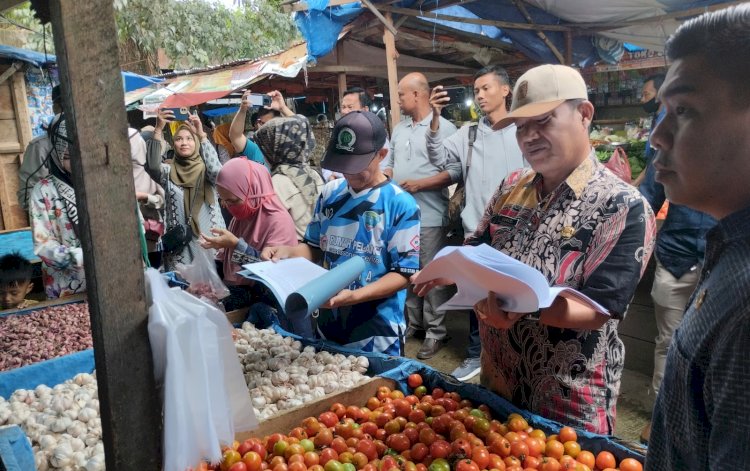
point(593, 233)
point(55, 239)
point(381, 225)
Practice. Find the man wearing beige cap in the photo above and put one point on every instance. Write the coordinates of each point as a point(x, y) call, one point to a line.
point(582, 227)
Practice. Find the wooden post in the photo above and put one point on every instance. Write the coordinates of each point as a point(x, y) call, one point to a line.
point(568, 48)
point(341, 75)
point(390, 59)
point(86, 48)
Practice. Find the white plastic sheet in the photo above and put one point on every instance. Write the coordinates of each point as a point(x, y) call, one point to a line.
point(206, 400)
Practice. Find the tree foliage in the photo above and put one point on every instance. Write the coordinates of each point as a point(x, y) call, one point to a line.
point(192, 33)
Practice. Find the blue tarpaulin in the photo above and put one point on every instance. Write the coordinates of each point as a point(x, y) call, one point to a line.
point(130, 80)
point(15, 450)
point(321, 27)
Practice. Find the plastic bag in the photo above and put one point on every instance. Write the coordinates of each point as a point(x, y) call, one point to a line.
point(202, 275)
point(206, 400)
point(619, 165)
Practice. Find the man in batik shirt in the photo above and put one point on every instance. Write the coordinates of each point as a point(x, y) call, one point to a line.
point(582, 227)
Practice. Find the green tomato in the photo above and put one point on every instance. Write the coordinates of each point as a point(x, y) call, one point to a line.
point(349, 467)
point(478, 413)
point(334, 465)
point(279, 448)
point(307, 444)
point(440, 464)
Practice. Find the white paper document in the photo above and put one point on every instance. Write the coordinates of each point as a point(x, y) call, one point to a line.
point(481, 269)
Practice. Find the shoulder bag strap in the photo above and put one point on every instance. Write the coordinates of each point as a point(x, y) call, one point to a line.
point(472, 139)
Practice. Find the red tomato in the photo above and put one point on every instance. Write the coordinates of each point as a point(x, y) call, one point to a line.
point(536, 446)
point(311, 458)
point(323, 438)
point(280, 467)
point(427, 436)
point(466, 465)
point(567, 434)
point(339, 444)
point(299, 433)
point(530, 462)
point(549, 464)
point(519, 448)
point(399, 442)
point(437, 393)
point(481, 456)
point(315, 467)
point(359, 460)
point(311, 426)
point(328, 418)
point(605, 460)
point(252, 461)
point(440, 449)
point(461, 448)
point(629, 464)
point(419, 452)
point(496, 462)
point(500, 446)
point(369, 428)
point(368, 448)
point(297, 466)
point(417, 416)
point(412, 433)
point(326, 455)
point(238, 466)
point(414, 380)
point(245, 446)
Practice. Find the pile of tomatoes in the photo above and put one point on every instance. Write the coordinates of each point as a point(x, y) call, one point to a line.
point(439, 431)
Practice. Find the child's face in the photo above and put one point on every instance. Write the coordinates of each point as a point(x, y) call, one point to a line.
point(13, 294)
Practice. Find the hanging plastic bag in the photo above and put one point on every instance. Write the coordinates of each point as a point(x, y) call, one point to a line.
point(206, 400)
point(202, 275)
point(619, 165)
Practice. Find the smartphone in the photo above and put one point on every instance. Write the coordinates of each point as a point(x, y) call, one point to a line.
point(456, 94)
point(180, 114)
point(258, 100)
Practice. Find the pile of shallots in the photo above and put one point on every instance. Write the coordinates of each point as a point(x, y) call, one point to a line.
point(282, 375)
point(62, 423)
point(44, 334)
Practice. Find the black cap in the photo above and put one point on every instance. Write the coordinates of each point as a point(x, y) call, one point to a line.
point(355, 140)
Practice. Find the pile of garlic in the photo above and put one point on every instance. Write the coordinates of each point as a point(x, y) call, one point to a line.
point(62, 423)
point(282, 375)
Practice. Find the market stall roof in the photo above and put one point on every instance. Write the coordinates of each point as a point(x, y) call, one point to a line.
point(130, 80)
point(597, 29)
point(196, 86)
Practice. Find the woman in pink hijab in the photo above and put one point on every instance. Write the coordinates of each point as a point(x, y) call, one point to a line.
point(259, 219)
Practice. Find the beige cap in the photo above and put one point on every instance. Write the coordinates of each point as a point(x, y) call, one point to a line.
point(542, 89)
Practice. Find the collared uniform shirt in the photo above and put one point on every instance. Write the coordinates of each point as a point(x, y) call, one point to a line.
point(594, 233)
point(410, 161)
point(702, 413)
point(381, 225)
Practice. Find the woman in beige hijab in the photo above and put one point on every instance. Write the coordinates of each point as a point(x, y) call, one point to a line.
point(189, 183)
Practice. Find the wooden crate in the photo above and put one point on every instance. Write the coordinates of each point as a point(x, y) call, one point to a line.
point(287, 420)
point(15, 134)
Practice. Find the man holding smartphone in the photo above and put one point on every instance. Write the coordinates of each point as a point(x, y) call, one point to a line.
point(409, 160)
point(495, 154)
